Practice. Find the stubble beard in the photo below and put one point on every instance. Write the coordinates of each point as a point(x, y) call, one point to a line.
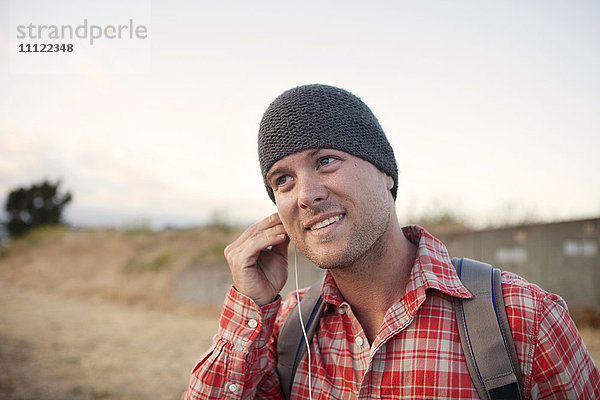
point(364, 244)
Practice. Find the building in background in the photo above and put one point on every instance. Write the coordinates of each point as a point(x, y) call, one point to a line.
point(561, 257)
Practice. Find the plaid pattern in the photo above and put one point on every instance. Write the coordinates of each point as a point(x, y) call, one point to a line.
point(416, 354)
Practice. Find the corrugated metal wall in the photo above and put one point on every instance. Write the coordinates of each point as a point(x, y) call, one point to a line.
point(562, 257)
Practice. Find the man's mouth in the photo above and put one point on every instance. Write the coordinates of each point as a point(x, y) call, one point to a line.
point(325, 222)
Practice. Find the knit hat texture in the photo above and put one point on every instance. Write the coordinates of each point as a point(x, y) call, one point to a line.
point(322, 117)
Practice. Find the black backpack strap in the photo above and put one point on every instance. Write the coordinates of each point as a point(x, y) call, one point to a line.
point(290, 345)
point(485, 334)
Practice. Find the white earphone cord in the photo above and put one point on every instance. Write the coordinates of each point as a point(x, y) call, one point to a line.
point(302, 325)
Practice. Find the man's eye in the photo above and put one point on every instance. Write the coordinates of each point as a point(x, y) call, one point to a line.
point(326, 160)
point(283, 180)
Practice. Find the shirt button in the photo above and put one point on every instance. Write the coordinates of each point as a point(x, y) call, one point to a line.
point(359, 341)
point(252, 323)
point(233, 387)
point(341, 310)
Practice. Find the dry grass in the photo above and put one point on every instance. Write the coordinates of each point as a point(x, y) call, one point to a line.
point(591, 338)
point(53, 347)
point(135, 267)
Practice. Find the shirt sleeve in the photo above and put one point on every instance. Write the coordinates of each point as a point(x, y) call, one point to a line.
point(563, 367)
point(241, 363)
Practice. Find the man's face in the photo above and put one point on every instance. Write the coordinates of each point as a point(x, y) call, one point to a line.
point(333, 205)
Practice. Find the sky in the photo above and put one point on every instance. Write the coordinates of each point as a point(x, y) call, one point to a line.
point(493, 108)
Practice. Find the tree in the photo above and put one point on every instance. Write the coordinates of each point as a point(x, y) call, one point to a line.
point(441, 217)
point(40, 204)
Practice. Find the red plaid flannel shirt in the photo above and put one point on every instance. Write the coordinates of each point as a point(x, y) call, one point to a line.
point(416, 354)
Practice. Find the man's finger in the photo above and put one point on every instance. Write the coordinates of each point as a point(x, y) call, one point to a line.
point(266, 223)
point(262, 239)
point(245, 250)
point(282, 248)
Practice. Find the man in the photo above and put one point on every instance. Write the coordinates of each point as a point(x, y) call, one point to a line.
point(389, 328)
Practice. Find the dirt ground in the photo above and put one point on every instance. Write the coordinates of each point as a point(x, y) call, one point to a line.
point(591, 338)
point(53, 347)
point(56, 347)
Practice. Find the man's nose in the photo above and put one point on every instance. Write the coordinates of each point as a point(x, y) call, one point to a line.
point(311, 191)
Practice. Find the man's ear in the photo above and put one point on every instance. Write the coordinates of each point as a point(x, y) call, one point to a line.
point(389, 181)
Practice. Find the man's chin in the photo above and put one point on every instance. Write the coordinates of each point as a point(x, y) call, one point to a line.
point(327, 260)
point(327, 254)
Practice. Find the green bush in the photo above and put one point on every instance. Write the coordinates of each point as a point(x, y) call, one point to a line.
point(37, 205)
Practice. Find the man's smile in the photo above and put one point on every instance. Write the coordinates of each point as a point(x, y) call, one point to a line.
point(324, 222)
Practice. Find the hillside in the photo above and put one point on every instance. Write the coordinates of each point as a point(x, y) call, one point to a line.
point(131, 267)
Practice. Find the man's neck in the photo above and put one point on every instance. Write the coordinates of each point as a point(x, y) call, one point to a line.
point(377, 280)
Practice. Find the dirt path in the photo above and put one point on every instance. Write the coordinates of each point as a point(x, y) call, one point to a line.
point(52, 347)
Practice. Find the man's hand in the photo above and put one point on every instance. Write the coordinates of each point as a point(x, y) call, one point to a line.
point(258, 260)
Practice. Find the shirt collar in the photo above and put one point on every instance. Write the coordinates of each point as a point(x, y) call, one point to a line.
point(432, 270)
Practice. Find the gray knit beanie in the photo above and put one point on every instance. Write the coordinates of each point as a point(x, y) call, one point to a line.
point(322, 117)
